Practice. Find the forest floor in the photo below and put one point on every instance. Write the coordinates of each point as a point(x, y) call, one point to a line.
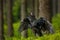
point(55, 36)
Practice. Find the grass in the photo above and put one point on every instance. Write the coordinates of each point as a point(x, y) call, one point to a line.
point(56, 36)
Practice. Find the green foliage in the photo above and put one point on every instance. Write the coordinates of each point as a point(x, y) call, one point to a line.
point(56, 22)
point(16, 10)
point(17, 36)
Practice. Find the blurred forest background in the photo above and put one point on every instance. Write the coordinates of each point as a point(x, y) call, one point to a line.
point(13, 11)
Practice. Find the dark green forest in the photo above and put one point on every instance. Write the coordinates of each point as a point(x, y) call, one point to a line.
point(12, 12)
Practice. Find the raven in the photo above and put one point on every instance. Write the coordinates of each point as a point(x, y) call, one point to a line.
point(36, 25)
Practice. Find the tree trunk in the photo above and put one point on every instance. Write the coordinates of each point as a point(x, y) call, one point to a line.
point(58, 7)
point(9, 18)
point(1, 21)
point(23, 15)
point(33, 7)
point(23, 9)
point(45, 9)
point(37, 9)
point(55, 6)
